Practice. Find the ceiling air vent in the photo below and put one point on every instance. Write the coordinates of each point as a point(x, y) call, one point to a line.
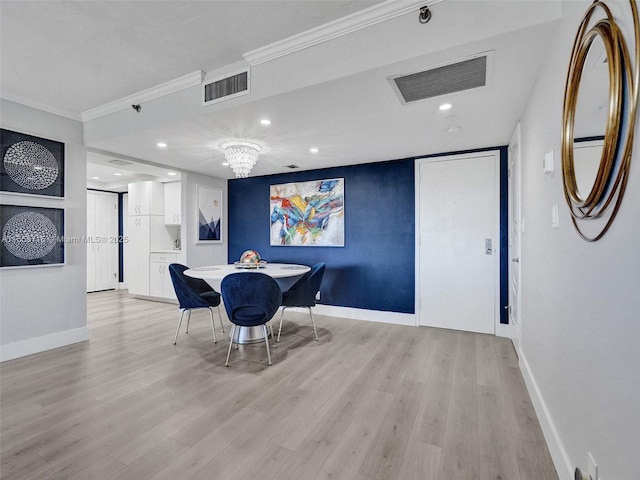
point(227, 87)
point(120, 163)
point(454, 77)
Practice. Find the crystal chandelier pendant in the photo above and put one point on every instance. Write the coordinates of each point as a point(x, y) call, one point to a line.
point(241, 156)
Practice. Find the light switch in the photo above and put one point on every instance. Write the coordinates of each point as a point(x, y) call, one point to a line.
point(548, 164)
point(554, 216)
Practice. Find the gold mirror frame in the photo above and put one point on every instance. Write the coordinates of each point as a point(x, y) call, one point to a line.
point(613, 170)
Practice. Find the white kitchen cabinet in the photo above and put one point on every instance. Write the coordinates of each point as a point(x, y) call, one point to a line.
point(102, 241)
point(172, 203)
point(160, 284)
point(146, 198)
point(146, 233)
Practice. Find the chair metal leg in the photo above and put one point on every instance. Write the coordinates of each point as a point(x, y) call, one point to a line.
point(266, 341)
point(179, 323)
point(188, 321)
point(215, 340)
point(280, 327)
point(233, 331)
point(313, 323)
point(238, 337)
point(220, 317)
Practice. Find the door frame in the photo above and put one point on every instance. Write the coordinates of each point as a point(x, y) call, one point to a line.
point(514, 188)
point(107, 243)
point(499, 329)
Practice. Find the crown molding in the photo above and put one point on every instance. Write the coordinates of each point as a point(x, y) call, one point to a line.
point(149, 94)
point(27, 102)
point(343, 26)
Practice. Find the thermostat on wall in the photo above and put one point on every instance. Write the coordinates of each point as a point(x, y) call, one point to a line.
point(548, 163)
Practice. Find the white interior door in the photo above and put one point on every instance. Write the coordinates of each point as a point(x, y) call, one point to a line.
point(91, 246)
point(515, 229)
point(125, 245)
point(102, 246)
point(458, 243)
point(106, 222)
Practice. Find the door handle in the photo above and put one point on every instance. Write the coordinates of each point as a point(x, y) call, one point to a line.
point(488, 246)
point(516, 260)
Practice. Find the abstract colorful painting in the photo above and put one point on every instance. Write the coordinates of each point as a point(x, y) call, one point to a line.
point(209, 206)
point(308, 214)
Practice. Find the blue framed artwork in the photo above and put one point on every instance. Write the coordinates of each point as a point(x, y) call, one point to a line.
point(31, 236)
point(31, 165)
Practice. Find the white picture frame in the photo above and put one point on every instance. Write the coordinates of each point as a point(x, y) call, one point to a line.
point(209, 209)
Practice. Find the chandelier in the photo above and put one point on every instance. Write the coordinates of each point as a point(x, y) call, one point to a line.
point(241, 155)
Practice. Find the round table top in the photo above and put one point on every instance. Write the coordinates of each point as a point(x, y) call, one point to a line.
point(274, 270)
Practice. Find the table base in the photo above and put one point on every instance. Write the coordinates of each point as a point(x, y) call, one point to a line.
point(251, 335)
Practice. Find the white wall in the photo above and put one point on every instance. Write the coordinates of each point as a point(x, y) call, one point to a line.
point(45, 307)
point(580, 301)
point(201, 254)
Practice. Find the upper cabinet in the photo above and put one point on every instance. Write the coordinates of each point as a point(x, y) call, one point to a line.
point(146, 198)
point(172, 203)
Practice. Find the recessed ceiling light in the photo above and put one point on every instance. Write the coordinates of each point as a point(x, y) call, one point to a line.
point(95, 178)
point(118, 174)
point(445, 106)
point(225, 164)
point(314, 150)
point(161, 144)
point(171, 173)
point(265, 121)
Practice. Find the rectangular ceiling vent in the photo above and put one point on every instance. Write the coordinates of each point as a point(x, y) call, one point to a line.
point(443, 80)
point(120, 163)
point(226, 87)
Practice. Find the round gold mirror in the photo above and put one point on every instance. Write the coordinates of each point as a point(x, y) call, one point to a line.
point(600, 103)
point(591, 117)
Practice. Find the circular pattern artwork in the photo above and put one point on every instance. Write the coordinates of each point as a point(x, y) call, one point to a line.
point(29, 235)
point(31, 165)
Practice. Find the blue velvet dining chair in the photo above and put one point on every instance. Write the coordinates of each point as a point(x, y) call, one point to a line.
point(303, 293)
point(193, 293)
point(251, 299)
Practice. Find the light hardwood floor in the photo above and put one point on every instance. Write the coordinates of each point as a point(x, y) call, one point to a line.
point(369, 401)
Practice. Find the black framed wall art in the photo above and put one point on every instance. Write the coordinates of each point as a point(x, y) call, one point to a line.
point(31, 236)
point(31, 165)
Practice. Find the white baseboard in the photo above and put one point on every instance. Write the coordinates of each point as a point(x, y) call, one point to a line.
point(554, 442)
point(368, 315)
point(41, 344)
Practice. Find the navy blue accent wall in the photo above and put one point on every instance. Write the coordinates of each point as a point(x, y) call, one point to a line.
point(375, 269)
point(504, 234)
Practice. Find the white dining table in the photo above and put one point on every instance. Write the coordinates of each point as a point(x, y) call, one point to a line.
point(284, 273)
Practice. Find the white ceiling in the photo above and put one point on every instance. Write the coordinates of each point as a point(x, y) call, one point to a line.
point(74, 56)
point(115, 173)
